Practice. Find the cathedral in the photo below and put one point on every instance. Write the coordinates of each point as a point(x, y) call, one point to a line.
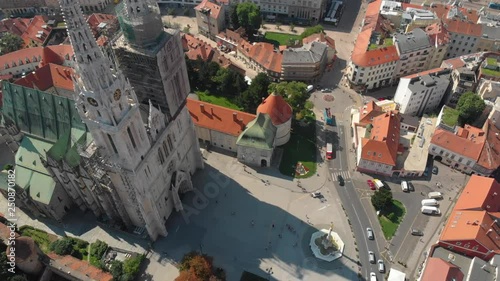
point(134, 107)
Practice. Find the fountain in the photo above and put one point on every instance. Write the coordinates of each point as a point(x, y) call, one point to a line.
point(326, 245)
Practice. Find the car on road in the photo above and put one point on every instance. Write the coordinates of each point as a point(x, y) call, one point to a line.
point(371, 257)
point(381, 266)
point(435, 170)
point(373, 276)
point(371, 184)
point(410, 186)
point(381, 99)
point(326, 90)
point(369, 233)
point(416, 232)
point(341, 180)
point(315, 194)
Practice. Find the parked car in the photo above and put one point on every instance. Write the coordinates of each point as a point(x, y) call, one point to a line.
point(404, 186)
point(381, 266)
point(410, 186)
point(435, 170)
point(371, 184)
point(373, 276)
point(369, 233)
point(315, 194)
point(371, 257)
point(341, 180)
point(435, 195)
point(416, 232)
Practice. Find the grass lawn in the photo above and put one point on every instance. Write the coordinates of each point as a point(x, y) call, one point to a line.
point(389, 226)
point(217, 100)
point(278, 39)
point(300, 148)
point(42, 238)
point(450, 116)
point(490, 72)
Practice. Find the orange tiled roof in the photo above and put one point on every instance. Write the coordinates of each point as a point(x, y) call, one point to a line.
point(463, 27)
point(5, 232)
point(453, 63)
point(15, 26)
point(434, 70)
point(244, 47)
point(33, 54)
point(438, 34)
point(441, 12)
point(76, 266)
point(320, 37)
point(97, 18)
point(218, 118)
point(48, 76)
point(37, 30)
point(195, 48)
point(468, 141)
point(437, 269)
point(213, 7)
point(277, 108)
point(368, 112)
point(479, 193)
point(490, 155)
point(230, 35)
point(383, 144)
point(264, 54)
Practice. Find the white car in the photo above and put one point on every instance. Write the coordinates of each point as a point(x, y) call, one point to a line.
point(373, 276)
point(369, 233)
point(315, 194)
point(371, 257)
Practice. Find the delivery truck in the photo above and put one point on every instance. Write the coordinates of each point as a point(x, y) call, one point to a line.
point(430, 210)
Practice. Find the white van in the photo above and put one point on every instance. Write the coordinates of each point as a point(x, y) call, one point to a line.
point(430, 202)
point(404, 186)
point(429, 210)
point(435, 195)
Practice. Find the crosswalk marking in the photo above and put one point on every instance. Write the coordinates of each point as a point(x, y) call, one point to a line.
point(344, 174)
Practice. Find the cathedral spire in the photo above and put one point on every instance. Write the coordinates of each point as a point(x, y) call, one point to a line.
point(91, 64)
point(140, 21)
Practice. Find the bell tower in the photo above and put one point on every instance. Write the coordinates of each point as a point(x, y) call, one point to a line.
point(140, 21)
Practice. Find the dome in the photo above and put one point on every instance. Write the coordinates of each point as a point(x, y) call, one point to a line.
point(277, 108)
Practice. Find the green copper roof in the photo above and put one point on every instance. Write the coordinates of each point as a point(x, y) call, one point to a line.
point(260, 133)
point(30, 172)
point(67, 146)
point(38, 113)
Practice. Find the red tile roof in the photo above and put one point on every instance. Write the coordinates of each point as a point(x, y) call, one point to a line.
point(479, 194)
point(244, 47)
point(462, 27)
point(453, 63)
point(218, 118)
point(34, 54)
point(77, 268)
point(213, 7)
point(48, 76)
point(232, 36)
point(438, 34)
point(490, 155)
point(320, 37)
point(97, 18)
point(264, 54)
point(277, 108)
point(368, 112)
point(440, 270)
point(468, 141)
point(195, 48)
point(441, 12)
point(383, 144)
point(37, 31)
point(434, 70)
point(15, 26)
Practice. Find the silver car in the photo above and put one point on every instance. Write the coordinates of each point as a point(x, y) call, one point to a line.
point(371, 257)
point(369, 233)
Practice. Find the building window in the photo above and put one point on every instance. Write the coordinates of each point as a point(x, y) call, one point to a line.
point(160, 156)
point(131, 137)
point(170, 145)
point(112, 143)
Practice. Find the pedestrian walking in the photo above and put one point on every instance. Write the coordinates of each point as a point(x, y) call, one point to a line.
point(273, 225)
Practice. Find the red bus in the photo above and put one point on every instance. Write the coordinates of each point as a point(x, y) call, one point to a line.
point(329, 151)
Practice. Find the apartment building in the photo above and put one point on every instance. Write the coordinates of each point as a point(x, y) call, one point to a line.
point(440, 39)
point(306, 63)
point(422, 93)
point(312, 10)
point(210, 18)
point(463, 80)
point(414, 50)
point(465, 37)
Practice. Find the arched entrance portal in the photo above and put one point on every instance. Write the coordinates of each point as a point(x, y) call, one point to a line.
point(438, 158)
point(263, 163)
point(180, 183)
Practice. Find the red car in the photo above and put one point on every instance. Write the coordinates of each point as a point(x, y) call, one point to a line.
point(381, 99)
point(371, 184)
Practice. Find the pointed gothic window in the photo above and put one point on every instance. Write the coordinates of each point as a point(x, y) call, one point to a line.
point(84, 46)
point(160, 156)
point(165, 148)
point(131, 137)
point(89, 58)
point(170, 145)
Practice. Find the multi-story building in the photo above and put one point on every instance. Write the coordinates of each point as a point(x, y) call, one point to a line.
point(308, 10)
point(414, 50)
point(440, 39)
point(488, 90)
point(463, 80)
point(323, 38)
point(422, 93)
point(20, 7)
point(464, 37)
point(210, 18)
point(489, 40)
point(494, 116)
point(306, 63)
point(490, 68)
point(151, 150)
point(263, 57)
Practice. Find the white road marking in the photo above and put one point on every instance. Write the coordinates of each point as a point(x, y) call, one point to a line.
point(324, 207)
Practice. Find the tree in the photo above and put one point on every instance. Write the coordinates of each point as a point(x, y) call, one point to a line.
point(249, 16)
point(250, 99)
point(116, 269)
point(10, 43)
point(196, 267)
point(470, 107)
point(233, 16)
point(294, 93)
point(228, 82)
point(62, 247)
point(382, 199)
point(312, 30)
point(131, 266)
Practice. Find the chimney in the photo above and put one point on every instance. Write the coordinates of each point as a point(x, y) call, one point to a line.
point(263, 100)
point(235, 117)
point(202, 107)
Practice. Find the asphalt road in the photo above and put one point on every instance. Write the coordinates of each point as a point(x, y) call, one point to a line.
point(351, 201)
